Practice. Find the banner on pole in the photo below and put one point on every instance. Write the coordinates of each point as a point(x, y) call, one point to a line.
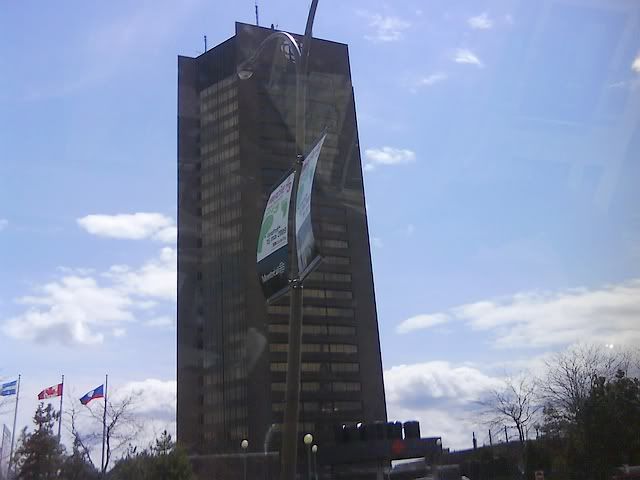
point(305, 241)
point(272, 250)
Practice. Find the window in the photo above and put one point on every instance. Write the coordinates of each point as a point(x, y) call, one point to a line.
point(341, 330)
point(339, 312)
point(279, 328)
point(342, 348)
point(331, 260)
point(315, 311)
point(345, 386)
point(330, 243)
point(345, 367)
point(339, 294)
point(311, 348)
point(333, 227)
point(314, 329)
point(278, 309)
point(278, 367)
point(337, 277)
point(310, 367)
point(313, 293)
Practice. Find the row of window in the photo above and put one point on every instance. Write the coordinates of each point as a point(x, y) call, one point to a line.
point(219, 204)
point(214, 417)
point(333, 227)
point(322, 293)
point(329, 276)
point(315, 311)
point(214, 131)
point(324, 407)
point(212, 145)
point(317, 367)
point(227, 199)
point(315, 329)
point(221, 96)
point(208, 98)
point(315, 386)
point(317, 348)
point(218, 87)
point(219, 188)
point(331, 243)
point(217, 117)
point(334, 260)
point(214, 230)
point(220, 157)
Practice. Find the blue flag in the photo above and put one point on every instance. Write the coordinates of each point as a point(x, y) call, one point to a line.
point(9, 388)
point(92, 395)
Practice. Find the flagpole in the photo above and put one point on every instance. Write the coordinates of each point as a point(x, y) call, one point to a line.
point(60, 417)
point(13, 433)
point(104, 420)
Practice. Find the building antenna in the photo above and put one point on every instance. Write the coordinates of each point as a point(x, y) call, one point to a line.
point(257, 21)
point(205, 44)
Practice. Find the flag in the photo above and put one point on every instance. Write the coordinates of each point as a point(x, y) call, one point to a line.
point(97, 392)
point(50, 392)
point(8, 388)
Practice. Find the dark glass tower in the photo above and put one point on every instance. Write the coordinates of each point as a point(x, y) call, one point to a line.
point(235, 141)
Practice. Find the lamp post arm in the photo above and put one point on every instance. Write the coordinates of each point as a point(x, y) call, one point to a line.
point(284, 37)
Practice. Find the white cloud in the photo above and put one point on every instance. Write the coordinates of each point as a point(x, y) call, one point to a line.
point(508, 18)
point(422, 322)
point(154, 398)
point(432, 79)
point(440, 395)
point(466, 56)
point(386, 28)
point(80, 309)
point(68, 310)
point(3, 223)
point(605, 315)
point(134, 226)
point(635, 66)
point(156, 278)
point(387, 156)
point(480, 22)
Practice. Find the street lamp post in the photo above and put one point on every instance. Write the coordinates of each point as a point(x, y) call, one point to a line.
point(308, 440)
point(289, 452)
point(244, 444)
point(314, 451)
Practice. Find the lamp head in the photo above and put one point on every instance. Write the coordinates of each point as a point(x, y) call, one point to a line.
point(245, 73)
point(244, 444)
point(308, 439)
point(314, 449)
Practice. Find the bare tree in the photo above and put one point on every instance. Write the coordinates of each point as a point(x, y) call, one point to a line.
point(122, 427)
point(570, 374)
point(513, 406)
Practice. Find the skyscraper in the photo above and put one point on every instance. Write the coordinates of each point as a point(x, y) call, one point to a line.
point(235, 141)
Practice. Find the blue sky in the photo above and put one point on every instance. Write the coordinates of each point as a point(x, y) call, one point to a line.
point(501, 148)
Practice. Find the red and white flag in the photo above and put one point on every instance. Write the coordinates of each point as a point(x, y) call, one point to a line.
point(51, 392)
